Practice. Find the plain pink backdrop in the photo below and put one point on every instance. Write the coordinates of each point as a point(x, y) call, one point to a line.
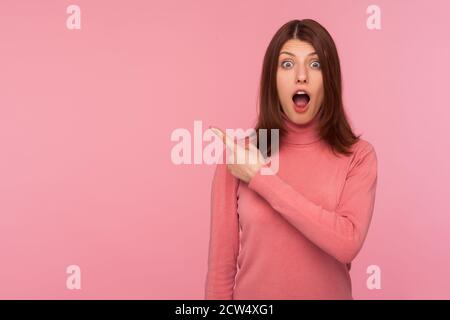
point(86, 117)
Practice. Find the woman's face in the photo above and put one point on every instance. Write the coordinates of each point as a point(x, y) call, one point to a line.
point(299, 69)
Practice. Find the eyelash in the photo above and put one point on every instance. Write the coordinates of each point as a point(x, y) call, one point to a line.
point(282, 63)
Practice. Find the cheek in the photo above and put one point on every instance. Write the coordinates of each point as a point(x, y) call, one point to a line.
point(282, 87)
point(321, 93)
point(319, 90)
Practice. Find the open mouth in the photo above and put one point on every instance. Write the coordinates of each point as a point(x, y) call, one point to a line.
point(301, 100)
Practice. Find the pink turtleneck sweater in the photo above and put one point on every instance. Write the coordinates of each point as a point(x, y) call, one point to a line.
point(293, 234)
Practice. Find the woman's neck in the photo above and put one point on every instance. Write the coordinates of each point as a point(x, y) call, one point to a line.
point(301, 134)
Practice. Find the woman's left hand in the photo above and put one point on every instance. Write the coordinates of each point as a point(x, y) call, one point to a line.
point(249, 166)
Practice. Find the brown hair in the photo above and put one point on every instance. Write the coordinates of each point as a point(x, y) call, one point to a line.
point(333, 124)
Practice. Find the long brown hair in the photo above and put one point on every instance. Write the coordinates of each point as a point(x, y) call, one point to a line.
point(334, 127)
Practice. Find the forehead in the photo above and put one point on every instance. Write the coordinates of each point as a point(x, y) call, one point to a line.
point(297, 47)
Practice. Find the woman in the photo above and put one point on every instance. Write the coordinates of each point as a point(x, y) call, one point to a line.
point(293, 234)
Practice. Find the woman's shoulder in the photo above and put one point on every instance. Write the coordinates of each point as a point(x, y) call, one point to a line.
point(363, 153)
point(362, 146)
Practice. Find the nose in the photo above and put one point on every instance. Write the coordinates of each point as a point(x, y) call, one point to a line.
point(301, 75)
point(301, 78)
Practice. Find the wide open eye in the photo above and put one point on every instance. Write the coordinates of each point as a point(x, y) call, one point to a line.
point(317, 64)
point(283, 64)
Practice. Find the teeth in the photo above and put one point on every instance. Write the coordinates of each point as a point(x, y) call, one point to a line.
point(300, 92)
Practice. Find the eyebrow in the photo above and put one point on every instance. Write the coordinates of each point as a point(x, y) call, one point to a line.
point(291, 54)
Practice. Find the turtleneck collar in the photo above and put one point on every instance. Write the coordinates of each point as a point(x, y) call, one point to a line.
point(301, 134)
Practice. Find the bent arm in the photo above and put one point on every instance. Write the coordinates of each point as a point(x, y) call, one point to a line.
point(341, 232)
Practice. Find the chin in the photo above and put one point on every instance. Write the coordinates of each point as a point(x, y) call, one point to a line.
point(299, 119)
point(302, 118)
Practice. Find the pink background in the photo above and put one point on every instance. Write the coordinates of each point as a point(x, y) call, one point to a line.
point(86, 117)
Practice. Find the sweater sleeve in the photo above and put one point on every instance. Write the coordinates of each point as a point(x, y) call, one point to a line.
point(224, 236)
point(341, 232)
